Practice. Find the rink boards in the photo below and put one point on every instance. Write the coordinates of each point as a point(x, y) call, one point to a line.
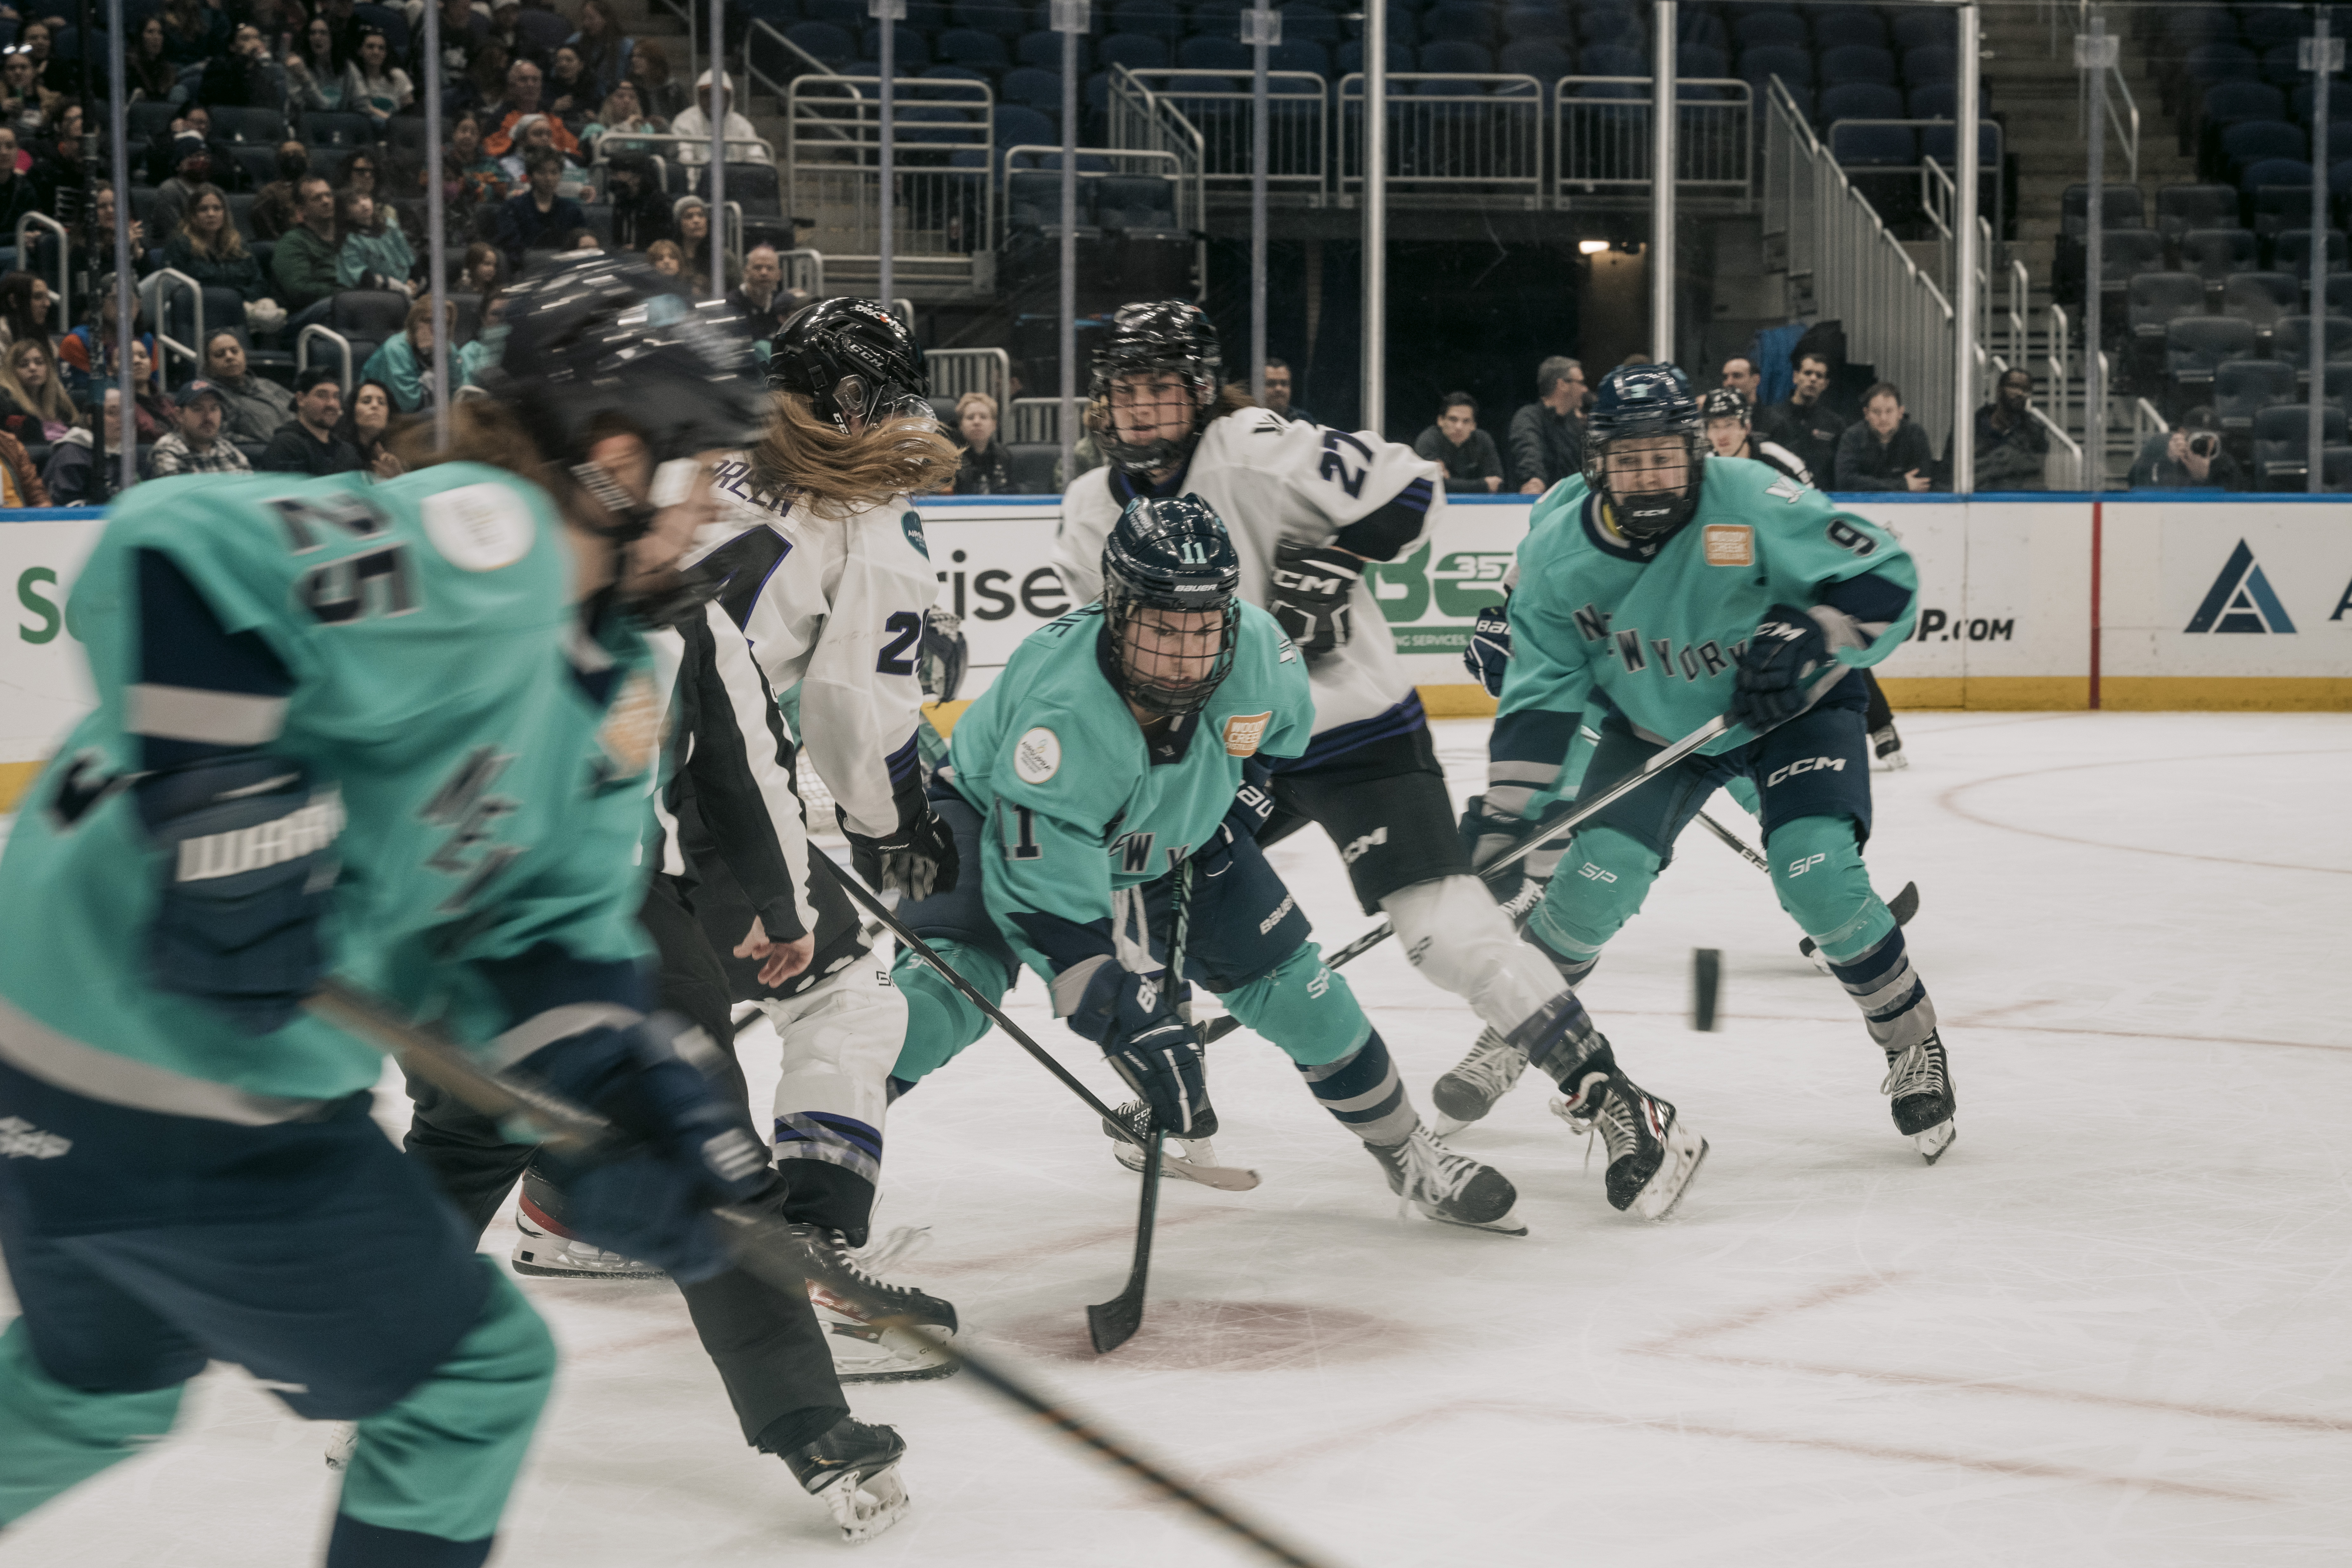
point(2179, 601)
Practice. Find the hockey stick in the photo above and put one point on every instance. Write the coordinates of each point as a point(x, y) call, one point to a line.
point(760, 1244)
point(1113, 1323)
point(1223, 1178)
point(1738, 844)
point(1542, 838)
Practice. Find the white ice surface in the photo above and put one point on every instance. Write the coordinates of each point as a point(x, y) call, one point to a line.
point(2109, 1328)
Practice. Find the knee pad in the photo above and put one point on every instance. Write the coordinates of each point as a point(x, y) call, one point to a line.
point(1817, 871)
point(1600, 886)
point(839, 1039)
point(941, 1020)
point(54, 1437)
point(1456, 935)
point(1303, 1008)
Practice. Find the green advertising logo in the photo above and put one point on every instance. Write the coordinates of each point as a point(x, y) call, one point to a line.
point(1432, 608)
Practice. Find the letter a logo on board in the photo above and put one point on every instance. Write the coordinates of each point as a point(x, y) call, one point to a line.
point(2240, 600)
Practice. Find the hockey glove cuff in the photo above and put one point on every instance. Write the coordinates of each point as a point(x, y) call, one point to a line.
point(1488, 655)
point(249, 874)
point(1487, 836)
point(1776, 668)
point(1162, 1063)
point(919, 861)
point(1311, 588)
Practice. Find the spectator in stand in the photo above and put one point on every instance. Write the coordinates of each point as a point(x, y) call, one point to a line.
point(621, 117)
point(2189, 456)
point(306, 259)
point(24, 104)
point(372, 85)
point(374, 254)
point(366, 426)
point(481, 270)
point(524, 81)
point(59, 163)
point(640, 211)
point(308, 443)
point(19, 484)
point(255, 408)
point(506, 31)
point(2012, 445)
point(693, 121)
point(464, 30)
point(1547, 437)
point(26, 304)
point(1886, 451)
point(582, 240)
point(17, 194)
point(190, 30)
point(209, 249)
point(694, 242)
point(604, 52)
point(62, 76)
point(314, 72)
point(361, 173)
point(760, 299)
point(71, 471)
point(1277, 393)
point(538, 218)
point(1739, 374)
point(469, 362)
point(164, 151)
point(92, 251)
point(1807, 426)
point(155, 415)
point(570, 93)
point(244, 76)
point(151, 75)
point(1465, 452)
point(277, 208)
point(81, 361)
point(192, 168)
point(670, 261)
point(986, 468)
point(470, 177)
point(649, 72)
point(34, 407)
point(198, 446)
point(536, 134)
point(484, 83)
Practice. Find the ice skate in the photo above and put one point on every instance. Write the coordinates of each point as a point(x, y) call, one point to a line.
point(342, 1441)
point(853, 1470)
point(863, 1353)
point(1195, 1159)
point(1920, 1081)
point(547, 1249)
point(1887, 749)
point(1652, 1156)
point(1466, 1093)
point(1447, 1186)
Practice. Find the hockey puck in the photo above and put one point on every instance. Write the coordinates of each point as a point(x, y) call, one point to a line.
point(1707, 982)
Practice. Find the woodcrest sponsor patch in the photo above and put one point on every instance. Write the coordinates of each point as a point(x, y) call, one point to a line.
point(631, 734)
point(1245, 733)
point(1729, 544)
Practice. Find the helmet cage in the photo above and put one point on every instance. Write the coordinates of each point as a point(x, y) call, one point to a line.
point(1166, 559)
point(1171, 338)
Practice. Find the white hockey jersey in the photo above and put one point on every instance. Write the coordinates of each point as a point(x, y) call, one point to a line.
point(1274, 480)
point(835, 608)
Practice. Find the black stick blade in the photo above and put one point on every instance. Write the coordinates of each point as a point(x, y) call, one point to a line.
point(1112, 1323)
point(1905, 904)
point(1707, 984)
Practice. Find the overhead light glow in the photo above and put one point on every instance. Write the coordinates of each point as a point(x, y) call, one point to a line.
point(1593, 247)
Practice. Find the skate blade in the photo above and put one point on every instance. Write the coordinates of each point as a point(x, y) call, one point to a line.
point(861, 1354)
point(1685, 1151)
point(1892, 763)
point(1510, 1224)
point(1200, 1168)
point(1932, 1143)
point(524, 1263)
point(865, 1506)
point(1446, 1126)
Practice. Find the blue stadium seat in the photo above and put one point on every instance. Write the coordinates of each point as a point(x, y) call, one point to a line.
point(1132, 50)
point(1621, 29)
point(1759, 66)
point(1935, 63)
point(2268, 28)
point(2263, 298)
point(1133, 203)
point(2291, 252)
point(2232, 102)
point(952, 73)
point(1300, 55)
point(1455, 22)
point(1873, 146)
point(2290, 338)
point(1455, 58)
point(1941, 100)
point(2181, 208)
point(1006, 21)
point(2339, 293)
point(2218, 254)
point(1922, 27)
point(1016, 126)
point(2209, 63)
point(1153, 18)
point(1044, 50)
point(1538, 24)
point(1349, 57)
point(1032, 88)
point(911, 52)
point(2273, 171)
point(1309, 24)
point(849, 15)
point(823, 41)
point(1214, 54)
point(1848, 25)
point(1542, 59)
point(2252, 140)
point(1771, 30)
point(2196, 346)
point(1856, 62)
point(1701, 61)
point(2186, 28)
point(1861, 100)
point(2244, 387)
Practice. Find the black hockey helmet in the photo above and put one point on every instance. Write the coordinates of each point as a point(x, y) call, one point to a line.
point(1724, 403)
point(1171, 336)
point(1641, 403)
point(1167, 558)
point(855, 362)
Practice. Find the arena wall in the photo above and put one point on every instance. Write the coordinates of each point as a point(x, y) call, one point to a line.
point(2206, 601)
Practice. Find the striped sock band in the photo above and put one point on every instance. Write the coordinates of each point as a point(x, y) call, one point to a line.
point(1893, 998)
point(1363, 1090)
point(841, 1140)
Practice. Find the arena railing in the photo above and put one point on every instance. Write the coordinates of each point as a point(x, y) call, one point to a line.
point(1296, 125)
point(156, 291)
point(64, 307)
point(1115, 162)
point(1446, 131)
point(314, 332)
point(1603, 134)
point(1145, 121)
point(955, 371)
point(1038, 420)
point(831, 175)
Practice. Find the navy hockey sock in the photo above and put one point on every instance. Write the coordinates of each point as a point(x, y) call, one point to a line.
point(1363, 1092)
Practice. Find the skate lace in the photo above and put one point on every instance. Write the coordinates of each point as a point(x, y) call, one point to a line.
point(1493, 1066)
point(903, 1243)
point(859, 1266)
point(1919, 1071)
point(1609, 1113)
point(1433, 1173)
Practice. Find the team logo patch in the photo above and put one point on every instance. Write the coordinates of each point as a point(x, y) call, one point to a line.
point(1729, 544)
point(1245, 733)
point(1037, 756)
point(631, 733)
point(478, 528)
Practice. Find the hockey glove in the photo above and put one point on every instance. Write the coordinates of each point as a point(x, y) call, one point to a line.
point(1488, 653)
point(1487, 836)
point(249, 874)
point(1244, 820)
point(917, 861)
point(679, 1150)
point(1776, 668)
point(1311, 585)
point(1146, 1034)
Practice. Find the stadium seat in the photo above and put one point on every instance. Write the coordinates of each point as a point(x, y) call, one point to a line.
point(1938, 62)
point(1849, 27)
point(2244, 387)
point(1856, 62)
point(2236, 102)
point(1214, 55)
point(1162, 19)
point(1942, 143)
point(1701, 62)
point(2338, 294)
point(2195, 346)
point(2268, 28)
point(1349, 57)
point(264, 125)
point(2290, 338)
point(2282, 443)
point(1861, 100)
point(2125, 209)
point(145, 121)
point(1544, 60)
point(1031, 465)
point(823, 42)
point(1033, 200)
point(1455, 22)
point(1771, 30)
point(1612, 25)
point(847, 15)
point(1043, 52)
point(1006, 21)
point(2181, 208)
point(1136, 203)
point(2291, 252)
point(2154, 300)
point(2128, 252)
point(910, 51)
point(1922, 28)
point(1759, 66)
point(1032, 88)
point(2193, 25)
point(1873, 146)
point(1017, 127)
point(2207, 64)
point(1533, 24)
point(1133, 50)
point(1309, 24)
point(321, 128)
point(1452, 58)
point(2261, 298)
point(2253, 141)
point(1941, 100)
point(2214, 254)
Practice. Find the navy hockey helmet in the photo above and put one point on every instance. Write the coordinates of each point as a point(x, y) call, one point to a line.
point(1171, 337)
point(1165, 563)
point(856, 362)
point(1651, 492)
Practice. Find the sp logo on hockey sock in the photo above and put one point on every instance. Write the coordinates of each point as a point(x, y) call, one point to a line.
point(1592, 873)
point(1799, 868)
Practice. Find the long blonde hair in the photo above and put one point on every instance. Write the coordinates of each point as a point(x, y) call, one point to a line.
point(808, 460)
point(52, 404)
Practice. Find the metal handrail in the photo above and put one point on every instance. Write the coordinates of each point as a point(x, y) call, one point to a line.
point(1737, 111)
point(155, 290)
point(2059, 355)
point(1282, 88)
point(65, 245)
point(1351, 93)
point(955, 371)
point(781, 92)
point(2130, 138)
point(1028, 149)
point(302, 352)
point(1143, 121)
point(2071, 480)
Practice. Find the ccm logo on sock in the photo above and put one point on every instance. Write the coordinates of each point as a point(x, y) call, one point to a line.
point(1806, 765)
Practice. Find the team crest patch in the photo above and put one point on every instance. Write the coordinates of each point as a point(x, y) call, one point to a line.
point(1245, 733)
point(479, 528)
point(631, 733)
point(911, 522)
point(1037, 756)
point(1729, 544)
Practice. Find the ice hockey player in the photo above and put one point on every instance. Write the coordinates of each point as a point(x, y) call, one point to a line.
point(1306, 508)
point(402, 731)
point(1092, 783)
point(826, 572)
point(1667, 587)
